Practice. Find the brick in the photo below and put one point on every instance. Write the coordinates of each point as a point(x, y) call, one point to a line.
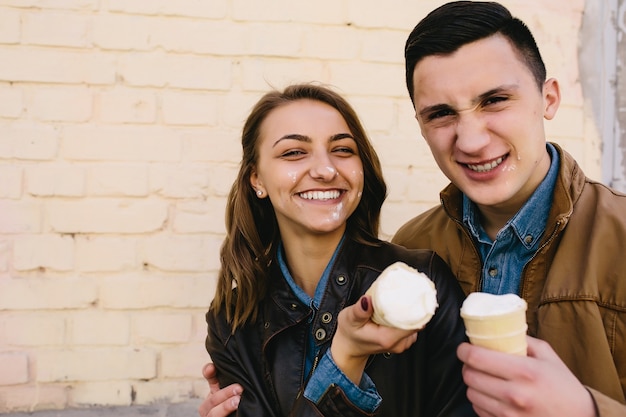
point(55, 28)
point(425, 185)
point(202, 145)
point(32, 329)
point(187, 108)
point(183, 361)
point(395, 215)
point(128, 106)
point(259, 75)
point(43, 251)
point(11, 99)
point(95, 364)
point(28, 141)
point(157, 69)
point(383, 46)
point(376, 114)
point(182, 253)
point(222, 178)
point(104, 253)
point(157, 327)
point(45, 293)
point(106, 216)
point(200, 216)
point(180, 181)
point(62, 104)
point(155, 391)
point(211, 9)
point(332, 43)
point(14, 367)
point(124, 32)
point(99, 328)
point(6, 253)
point(214, 37)
point(10, 26)
point(61, 66)
point(55, 4)
point(55, 180)
point(376, 79)
point(135, 144)
point(29, 398)
point(109, 393)
point(276, 11)
point(20, 216)
point(180, 291)
point(118, 180)
point(11, 184)
point(372, 14)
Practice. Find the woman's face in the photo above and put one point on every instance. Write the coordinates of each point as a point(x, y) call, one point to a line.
point(309, 167)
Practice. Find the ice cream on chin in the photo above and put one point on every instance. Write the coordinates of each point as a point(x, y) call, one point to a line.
point(403, 297)
point(496, 322)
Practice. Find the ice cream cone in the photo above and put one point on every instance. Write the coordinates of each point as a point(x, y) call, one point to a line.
point(496, 322)
point(403, 297)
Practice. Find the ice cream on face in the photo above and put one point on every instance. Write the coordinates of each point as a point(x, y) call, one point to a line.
point(402, 297)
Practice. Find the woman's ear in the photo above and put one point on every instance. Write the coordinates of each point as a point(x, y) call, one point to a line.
point(257, 184)
point(551, 98)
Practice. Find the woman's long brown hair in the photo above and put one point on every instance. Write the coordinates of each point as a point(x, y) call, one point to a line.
point(252, 233)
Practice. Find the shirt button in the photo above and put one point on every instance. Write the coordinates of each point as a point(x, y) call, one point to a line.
point(320, 334)
point(528, 239)
point(493, 272)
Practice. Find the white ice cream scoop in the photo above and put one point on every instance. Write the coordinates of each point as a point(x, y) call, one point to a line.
point(403, 297)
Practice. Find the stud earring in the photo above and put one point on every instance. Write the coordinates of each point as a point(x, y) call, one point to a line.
point(259, 193)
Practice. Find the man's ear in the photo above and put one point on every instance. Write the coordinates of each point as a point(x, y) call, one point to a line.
point(551, 98)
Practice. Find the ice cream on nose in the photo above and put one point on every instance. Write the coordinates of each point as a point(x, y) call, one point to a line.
point(403, 297)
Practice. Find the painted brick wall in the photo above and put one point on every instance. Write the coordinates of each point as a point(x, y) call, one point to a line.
point(119, 139)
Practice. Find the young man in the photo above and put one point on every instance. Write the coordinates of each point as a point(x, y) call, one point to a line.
point(519, 216)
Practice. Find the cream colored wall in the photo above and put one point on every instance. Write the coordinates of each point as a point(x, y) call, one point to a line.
point(119, 127)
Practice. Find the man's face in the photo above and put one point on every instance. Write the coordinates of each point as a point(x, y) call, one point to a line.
point(481, 113)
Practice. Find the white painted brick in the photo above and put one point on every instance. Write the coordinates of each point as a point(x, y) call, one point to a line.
point(190, 108)
point(215, 146)
point(200, 216)
point(118, 180)
point(55, 180)
point(276, 11)
point(54, 4)
point(261, 75)
point(375, 114)
point(390, 14)
point(11, 183)
point(222, 178)
point(124, 32)
point(183, 361)
point(174, 70)
point(160, 327)
point(9, 26)
point(383, 46)
point(95, 364)
point(192, 8)
point(28, 141)
point(106, 215)
point(55, 28)
point(32, 329)
point(104, 253)
point(66, 104)
point(43, 251)
point(180, 181)
point(29, 398)
point(6, 254)
point(109, 393)
point(11, 98)
point(283, 40)
point(215, 37)
point(376, 79)
point(128, 106)
point(179, 291)
point(121, 144)
point(45, 293)
point(14, 367)
point(56, 66)
point(395, 215)
point(22, 216)
point(182, 253)
point(331, 43)
point(149, 392)
point(99, 328)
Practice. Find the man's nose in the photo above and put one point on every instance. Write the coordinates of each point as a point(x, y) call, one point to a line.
point(471, 133)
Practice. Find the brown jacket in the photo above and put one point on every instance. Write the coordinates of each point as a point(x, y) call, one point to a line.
point(575, 285)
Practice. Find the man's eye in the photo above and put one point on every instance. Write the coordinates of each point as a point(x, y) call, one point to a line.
point(439, 114)
point(495, 100)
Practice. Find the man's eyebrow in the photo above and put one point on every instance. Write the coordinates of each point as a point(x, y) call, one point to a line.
point(304, 138)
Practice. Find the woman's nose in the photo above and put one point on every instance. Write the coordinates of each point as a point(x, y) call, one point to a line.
point(323, 169)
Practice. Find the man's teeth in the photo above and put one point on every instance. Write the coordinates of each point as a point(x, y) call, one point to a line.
point(485, 167)
point(320, 195)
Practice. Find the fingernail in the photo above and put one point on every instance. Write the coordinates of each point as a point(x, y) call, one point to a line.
point(364, 303)
point(235, 401)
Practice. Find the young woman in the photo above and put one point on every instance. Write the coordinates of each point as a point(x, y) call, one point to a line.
point(289, 322)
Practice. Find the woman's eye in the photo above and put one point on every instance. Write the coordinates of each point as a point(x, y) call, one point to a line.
point(292, 153)
point(345, 150)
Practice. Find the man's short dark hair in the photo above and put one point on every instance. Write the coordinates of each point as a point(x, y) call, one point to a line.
point(455, 24)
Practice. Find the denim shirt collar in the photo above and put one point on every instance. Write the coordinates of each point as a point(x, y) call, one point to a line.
point(531, 219)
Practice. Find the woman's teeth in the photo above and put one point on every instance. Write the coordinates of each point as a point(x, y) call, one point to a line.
point(486, 167)
point(320, 195)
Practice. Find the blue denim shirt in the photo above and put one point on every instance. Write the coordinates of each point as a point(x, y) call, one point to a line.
point(365, 396)
point(516, 243)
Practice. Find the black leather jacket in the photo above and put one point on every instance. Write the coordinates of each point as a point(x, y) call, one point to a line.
point(267, 356)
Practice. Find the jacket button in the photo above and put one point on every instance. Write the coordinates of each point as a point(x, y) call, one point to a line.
point(341, 280)
point(293, 306)
point(320, 334)
point(326, 318)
